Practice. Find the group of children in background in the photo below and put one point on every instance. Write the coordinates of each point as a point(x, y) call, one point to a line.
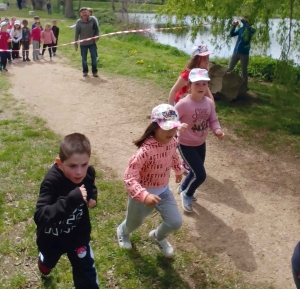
point(14, 35)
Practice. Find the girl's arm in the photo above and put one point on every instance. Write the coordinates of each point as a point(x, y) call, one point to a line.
point(20, 37)
point(214, 123)
point(180, 83)
point(132, 176)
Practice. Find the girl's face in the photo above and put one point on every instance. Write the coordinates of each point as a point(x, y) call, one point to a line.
point(4, 28)
point(199, 89)
point(164, 136)
point(204, 62)
point(17, 26)
point(47, 28)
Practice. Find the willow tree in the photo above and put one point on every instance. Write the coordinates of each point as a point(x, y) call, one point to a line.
point(260, 12)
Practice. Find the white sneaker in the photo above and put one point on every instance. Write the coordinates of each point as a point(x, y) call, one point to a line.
point(179, 192)
point(164, 246)
point(123, 240)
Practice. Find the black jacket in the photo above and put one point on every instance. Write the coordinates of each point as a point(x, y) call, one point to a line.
point(61, 215)
point(55, 30)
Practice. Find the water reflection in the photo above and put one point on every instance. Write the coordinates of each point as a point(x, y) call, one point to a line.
point(223, 48)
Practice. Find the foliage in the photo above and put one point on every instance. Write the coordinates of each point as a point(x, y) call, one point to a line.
point(106, 17)
point(267, 69)
point(224, 12)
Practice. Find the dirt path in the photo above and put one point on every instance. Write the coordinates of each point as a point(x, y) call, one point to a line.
point(247, 210)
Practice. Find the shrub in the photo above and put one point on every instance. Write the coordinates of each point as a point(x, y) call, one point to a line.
point(267, 69)
point(106, 17)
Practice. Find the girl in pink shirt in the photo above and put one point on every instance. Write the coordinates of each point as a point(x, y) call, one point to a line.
point(198, 111)
point(147, 176)
point(48, 38)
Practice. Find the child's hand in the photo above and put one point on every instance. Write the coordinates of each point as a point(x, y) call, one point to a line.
point(151, 200)
point(183, 127)
point(219, 133)
point(83, 192)
point(9, 40)
point(178, 178)
point(92, 203)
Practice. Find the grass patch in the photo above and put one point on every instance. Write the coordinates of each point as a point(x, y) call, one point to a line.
point(28, 149)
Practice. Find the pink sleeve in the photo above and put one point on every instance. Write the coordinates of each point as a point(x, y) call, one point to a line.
point(132, 177)
point(213, 120)
point(176, 163)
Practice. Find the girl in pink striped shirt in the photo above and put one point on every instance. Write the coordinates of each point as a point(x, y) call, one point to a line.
point(48, 38)
point(147, 176)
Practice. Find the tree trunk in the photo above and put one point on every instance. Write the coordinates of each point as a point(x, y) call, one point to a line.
point(69, 10)
point(79, 5)
point(38, 4)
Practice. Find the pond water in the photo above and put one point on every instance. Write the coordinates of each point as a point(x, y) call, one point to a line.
point(223, 48)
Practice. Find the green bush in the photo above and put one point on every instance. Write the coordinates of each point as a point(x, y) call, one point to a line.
point(267, 69)
point(106, 17)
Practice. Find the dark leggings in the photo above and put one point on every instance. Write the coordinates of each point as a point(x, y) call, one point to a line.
point(4, 56)
point(49, 49)
point(194, 158)
point(16, 48)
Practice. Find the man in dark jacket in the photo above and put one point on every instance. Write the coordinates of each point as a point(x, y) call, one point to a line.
point(242, 47)
point(62, 216)
point(87, 27)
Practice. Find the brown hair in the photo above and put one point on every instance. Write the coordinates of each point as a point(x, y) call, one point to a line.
point(150, 131)
point(75, 143)
point(90, 10)
point(194, 62)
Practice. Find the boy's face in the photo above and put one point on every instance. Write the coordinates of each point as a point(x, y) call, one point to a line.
point(36, 20)
point(25, 24)
point(54, 23)
point(75, 167)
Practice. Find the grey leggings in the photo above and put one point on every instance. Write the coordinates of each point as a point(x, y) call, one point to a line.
point(137, 212)
point(244, 64)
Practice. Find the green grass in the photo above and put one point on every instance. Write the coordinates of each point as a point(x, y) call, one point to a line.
point(28, 149)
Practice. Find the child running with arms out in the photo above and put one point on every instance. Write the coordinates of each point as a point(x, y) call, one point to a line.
point(147, 176)
point(62, 216)
point(198, 111)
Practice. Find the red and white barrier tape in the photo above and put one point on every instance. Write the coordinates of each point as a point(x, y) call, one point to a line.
point(116, 33)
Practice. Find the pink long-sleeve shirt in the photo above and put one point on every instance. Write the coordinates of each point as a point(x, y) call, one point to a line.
point(150, 167)
point(48, 37)
point(199, 115)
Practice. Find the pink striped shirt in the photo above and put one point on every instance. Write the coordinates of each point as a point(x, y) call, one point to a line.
point(150, 167)
point(48, 37)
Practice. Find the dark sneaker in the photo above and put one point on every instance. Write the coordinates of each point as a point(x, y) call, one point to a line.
point(95, 74)
point(27, 59)
point(85, 74)
point(43, 269)
point(24, 59)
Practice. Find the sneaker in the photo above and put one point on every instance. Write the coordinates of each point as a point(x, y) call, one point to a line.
point(95, 74)
point(4, 69)
point(43, 269)
point(13, 61)
point(179, 190)
point(85, 74)
point(24, 59)
point(165, 247)
point(27, 59)
point(54, 53)
point(123, 240)
point(186, 202)
point(9, 60)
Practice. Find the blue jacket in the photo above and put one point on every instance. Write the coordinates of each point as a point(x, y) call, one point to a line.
point(245, 34)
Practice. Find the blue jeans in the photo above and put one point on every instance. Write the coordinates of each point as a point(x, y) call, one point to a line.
point(194, 158)
point(93, 51)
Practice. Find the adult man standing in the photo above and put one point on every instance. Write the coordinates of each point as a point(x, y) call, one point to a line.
point(242, 47)
point(86, 27)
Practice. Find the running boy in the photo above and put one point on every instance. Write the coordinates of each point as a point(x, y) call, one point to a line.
point(62, 216)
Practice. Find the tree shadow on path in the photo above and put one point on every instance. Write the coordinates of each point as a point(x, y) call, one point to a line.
point(214, 236)
point(226, 193)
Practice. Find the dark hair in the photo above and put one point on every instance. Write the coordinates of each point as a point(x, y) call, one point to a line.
point(75, 143)
point(150, 131)
point(36, 17)
point(24, 21)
